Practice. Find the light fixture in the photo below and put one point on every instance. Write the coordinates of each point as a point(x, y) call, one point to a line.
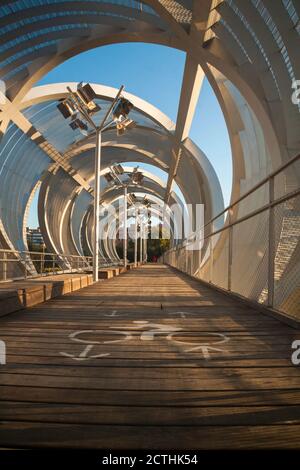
point(124, 124)
point(132, 198)
point(80, 103)
point(118, 169)
point(121, 108)
point(86, 94)
point(109, 177)
point(137, 177)
point(146, 201)
point(66, 108)
point(78, 124)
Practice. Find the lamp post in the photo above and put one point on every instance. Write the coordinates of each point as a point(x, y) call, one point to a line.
point(81, 103)
point(125, 228)
point(141, 241)
point(135, 238)
point(135, 178)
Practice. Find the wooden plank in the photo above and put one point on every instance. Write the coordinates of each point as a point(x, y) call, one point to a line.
point(132, 383)
point(152, 415)
point(145, 437)
point(154, 373)
point(188, 398)
point(148, 362)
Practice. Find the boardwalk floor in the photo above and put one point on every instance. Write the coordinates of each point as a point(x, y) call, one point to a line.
point(151, 359)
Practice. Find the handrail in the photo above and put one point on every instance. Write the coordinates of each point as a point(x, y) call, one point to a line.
point(40, 263)
point(265, 180)
point(277, 253)
point(43, 253)
point(254, 188)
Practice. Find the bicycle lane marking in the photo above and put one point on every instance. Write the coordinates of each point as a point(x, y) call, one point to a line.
point(90, 344)
point(204, 347)
point(146, 335)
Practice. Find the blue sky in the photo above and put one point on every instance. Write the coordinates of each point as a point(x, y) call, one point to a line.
point(153, 73)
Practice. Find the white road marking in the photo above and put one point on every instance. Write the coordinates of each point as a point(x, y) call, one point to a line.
point(148, 331)
point(155, 329)
point(84, 355)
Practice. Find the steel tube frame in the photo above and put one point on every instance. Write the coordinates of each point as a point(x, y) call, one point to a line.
point(135, 238)
point(125, 228)
point(97, 206)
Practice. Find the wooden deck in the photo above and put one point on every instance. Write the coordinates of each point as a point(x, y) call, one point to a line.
point(151, 359)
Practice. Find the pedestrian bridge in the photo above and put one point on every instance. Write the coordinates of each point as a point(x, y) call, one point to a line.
point(168, 363)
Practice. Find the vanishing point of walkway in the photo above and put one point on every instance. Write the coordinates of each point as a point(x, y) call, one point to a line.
point(151, 359)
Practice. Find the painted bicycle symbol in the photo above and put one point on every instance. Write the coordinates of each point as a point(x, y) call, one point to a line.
point(148, 331)
point(84, 355)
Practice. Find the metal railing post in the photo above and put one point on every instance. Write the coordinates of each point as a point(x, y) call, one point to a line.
point(271, 246)
point(186, 258)
point(96, 213)
point(211, 259)
point(4, 266)
point(125, 228)
point(25, 269)
point(135, 239)
point(230, 239)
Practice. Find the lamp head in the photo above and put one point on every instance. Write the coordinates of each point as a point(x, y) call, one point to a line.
point(66, 108)
point(121, 108)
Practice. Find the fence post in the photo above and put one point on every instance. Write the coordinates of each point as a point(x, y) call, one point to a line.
point(230, 239)
point(271, 247)
point(25, 269)
point(4, 266)
point(186, 258)
point(211, 259)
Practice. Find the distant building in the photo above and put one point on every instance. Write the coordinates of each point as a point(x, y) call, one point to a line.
point(34, 236)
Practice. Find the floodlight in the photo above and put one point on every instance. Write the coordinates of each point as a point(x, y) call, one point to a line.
point(109, 177)
point(78, 124)
point(118, 169)
point(66, 108)
point(121, 108)
point(146, 201)
point(93, 108)
point(132, 198)
point(137, 177)
point(120, 129)
point(129, 124)
point(86, 93)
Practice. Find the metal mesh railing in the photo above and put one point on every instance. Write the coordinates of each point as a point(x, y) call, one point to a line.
point(256, 253)
point(29, 264)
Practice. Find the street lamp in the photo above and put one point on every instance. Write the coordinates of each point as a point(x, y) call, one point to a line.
point(141, 227)
point(80, 107)
point(113, 177)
